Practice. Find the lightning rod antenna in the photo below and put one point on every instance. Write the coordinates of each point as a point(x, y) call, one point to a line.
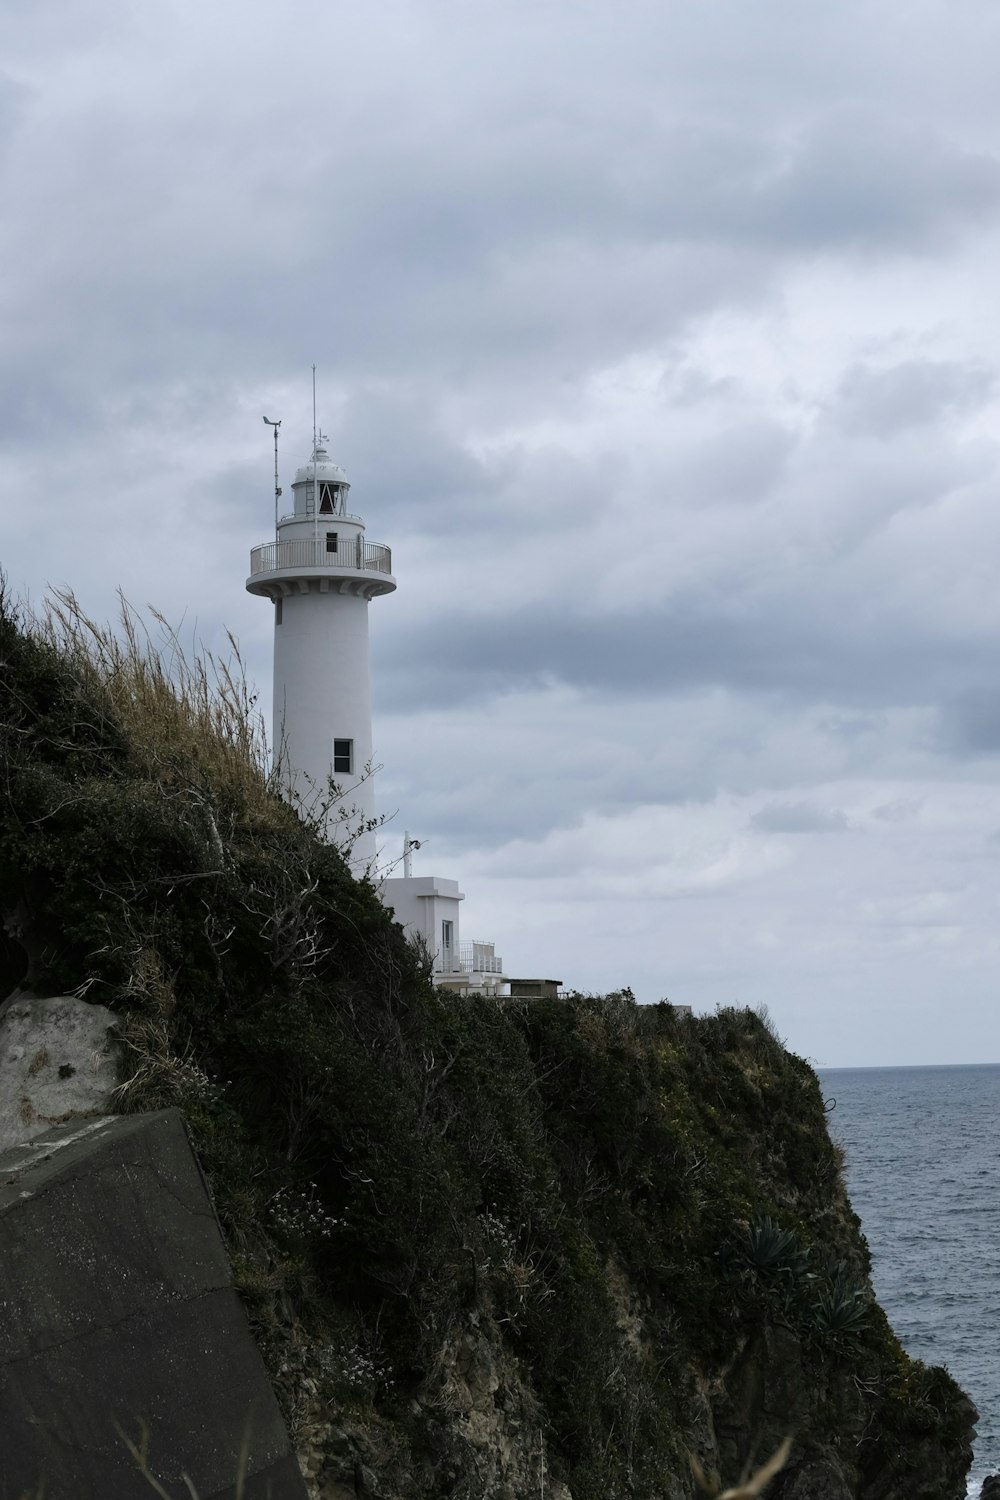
point(315, 506)
point(277, 486)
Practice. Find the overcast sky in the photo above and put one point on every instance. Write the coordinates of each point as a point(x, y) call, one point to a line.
point(661, 342)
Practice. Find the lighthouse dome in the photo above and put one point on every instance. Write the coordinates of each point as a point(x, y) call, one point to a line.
point(322, 467)
point(320, 485)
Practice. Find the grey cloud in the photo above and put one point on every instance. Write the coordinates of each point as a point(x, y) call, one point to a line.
point(577, 251)
point(913, 393)
point(744, 462)
point(798, 817)
point(241, 495)
point(15, 98)
point(899, 810)
point(547, 242)
point(486, 810)
point(850, 727)
point(406, 469)
point(970, 724)
point(499, 799)
point(863, 181)
point(36, 398)
point(676, 648)
point(847, 179)
point(687, 385)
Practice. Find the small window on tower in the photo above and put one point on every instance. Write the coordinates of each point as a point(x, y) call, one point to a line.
point(277, 610)
point(343, 756)
point(331, 541)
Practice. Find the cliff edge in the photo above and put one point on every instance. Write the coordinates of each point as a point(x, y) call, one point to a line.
point(489, 1249)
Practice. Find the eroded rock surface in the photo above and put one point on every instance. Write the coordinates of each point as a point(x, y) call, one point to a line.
point(58, 1063)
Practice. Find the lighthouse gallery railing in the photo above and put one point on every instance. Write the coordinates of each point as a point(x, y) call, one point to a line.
point(476, 957)
point(367, 557)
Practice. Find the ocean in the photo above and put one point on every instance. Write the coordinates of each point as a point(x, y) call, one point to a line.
point(923, 1172)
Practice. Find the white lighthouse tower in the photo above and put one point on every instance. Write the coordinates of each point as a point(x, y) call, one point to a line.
point(321, 573)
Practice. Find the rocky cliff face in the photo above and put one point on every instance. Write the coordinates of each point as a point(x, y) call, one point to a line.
point(488, 1249)
point(720, 1353)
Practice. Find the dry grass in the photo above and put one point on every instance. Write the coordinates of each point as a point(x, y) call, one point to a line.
point(138, 1449)
point(194, 708)
point(192, 721)
point(751, 1485)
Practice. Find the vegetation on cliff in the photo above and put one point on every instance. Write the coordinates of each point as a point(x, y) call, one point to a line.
point(487, 1247)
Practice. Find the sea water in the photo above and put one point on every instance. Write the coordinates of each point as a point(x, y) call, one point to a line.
point(923, 1172)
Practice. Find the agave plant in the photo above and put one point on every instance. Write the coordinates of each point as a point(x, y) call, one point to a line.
point(770, 1248)
point(842, 1307)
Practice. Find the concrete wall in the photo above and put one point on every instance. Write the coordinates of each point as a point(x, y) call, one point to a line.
point(422, 903)
point(117, 1306)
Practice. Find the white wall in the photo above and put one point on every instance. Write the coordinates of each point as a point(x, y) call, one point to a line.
point(421, 904)
point(322, 692)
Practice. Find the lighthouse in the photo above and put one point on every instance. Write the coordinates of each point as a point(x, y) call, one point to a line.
point(320, 574)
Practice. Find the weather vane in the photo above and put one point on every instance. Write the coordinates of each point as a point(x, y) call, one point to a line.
point(277, 486)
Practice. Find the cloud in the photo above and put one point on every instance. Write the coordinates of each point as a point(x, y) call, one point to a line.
point(898, 810)
point(15, 100)
point(692, 643)
point(798, 817)
point(863, 181)
point(914, 393)
point(970, 725)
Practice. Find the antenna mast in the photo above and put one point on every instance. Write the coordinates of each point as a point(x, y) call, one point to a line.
point(277, 486)
point(315, 506)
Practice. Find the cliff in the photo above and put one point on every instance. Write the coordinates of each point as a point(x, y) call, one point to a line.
point(488, 1249)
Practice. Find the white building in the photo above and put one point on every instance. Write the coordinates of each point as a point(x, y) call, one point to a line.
point(321, 574)
point(428, 907)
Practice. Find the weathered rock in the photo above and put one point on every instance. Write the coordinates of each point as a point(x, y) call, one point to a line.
point(484, 1434)
point(117, 1307)
point(991, 1488)
point(58, 1063)
point(765, 1397)
point(817, 1480)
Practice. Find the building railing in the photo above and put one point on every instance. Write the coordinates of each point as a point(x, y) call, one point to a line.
point(311, 552)
point(468, 958)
